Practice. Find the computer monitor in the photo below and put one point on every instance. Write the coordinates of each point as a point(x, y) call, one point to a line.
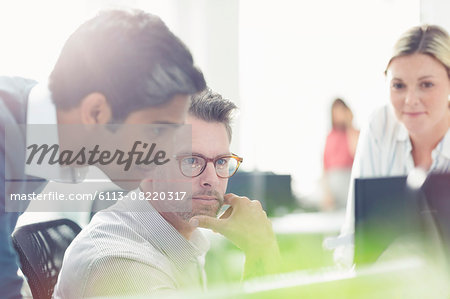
point(272, 190)
point(437, 193)
point(386, 209)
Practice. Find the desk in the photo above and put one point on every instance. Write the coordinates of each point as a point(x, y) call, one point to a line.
point(299, 235)
point(409, 277)
point(309, 223)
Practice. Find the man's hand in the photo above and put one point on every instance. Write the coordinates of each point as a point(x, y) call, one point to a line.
point(246, 224)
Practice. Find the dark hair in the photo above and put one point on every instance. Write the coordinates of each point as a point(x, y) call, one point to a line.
point(129, 56)
point(211, 107)
point(339, 102)
point(336, 103)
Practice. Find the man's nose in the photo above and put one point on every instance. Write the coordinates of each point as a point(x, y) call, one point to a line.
point(209, 177)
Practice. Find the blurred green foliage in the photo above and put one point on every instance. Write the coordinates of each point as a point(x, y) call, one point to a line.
point(224, 261)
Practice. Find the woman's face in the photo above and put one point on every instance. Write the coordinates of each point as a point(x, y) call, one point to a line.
point(419, 90)
point(342, 116)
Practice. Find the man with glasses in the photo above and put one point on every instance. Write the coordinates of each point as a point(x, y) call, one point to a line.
point(154, 249)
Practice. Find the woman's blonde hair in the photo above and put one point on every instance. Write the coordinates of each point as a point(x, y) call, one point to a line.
point(427, 39)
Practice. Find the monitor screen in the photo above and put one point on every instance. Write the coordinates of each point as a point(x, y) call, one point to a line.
point(387, 210)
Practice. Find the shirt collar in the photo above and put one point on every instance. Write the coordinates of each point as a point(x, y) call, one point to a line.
point(442, 148)
point(42, 111)
point(165, 237)
point(402, 134)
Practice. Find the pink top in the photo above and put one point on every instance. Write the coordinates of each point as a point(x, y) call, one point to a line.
point(337, 154)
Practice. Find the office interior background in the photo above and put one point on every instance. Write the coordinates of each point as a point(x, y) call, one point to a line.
point(282, 62)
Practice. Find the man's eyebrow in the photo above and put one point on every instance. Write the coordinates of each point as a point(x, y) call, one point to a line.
point(162, 122)
point(199, 154)
point(227, 154)
point(184, 153)
point(220, 155)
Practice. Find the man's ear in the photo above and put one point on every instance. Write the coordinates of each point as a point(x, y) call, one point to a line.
point(95, 109)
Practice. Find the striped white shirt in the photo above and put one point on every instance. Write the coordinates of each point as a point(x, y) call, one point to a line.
point(123, 253)
point(384, 149)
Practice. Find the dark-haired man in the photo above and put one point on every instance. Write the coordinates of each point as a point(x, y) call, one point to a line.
point(121, 67)
point(153, 249)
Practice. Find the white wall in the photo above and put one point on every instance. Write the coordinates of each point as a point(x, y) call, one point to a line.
point(32, 35)
point(295, 57)
point(435, 12)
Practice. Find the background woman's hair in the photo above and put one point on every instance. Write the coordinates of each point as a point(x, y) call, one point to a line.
point(336, 103)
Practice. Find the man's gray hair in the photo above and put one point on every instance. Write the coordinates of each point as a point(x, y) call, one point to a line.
point(211, 107)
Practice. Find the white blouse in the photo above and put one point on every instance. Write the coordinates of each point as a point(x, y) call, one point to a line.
point(384, 149)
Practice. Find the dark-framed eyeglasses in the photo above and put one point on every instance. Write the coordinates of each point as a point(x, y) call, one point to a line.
point(193, 165)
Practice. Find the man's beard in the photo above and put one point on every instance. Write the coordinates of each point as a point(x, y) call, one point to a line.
point(205, 209)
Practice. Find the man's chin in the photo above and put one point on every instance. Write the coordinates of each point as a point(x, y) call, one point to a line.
point(204, 213)
point(206, 210)
point(198, 212)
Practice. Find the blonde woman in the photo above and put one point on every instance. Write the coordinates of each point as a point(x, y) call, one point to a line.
point(414, 130)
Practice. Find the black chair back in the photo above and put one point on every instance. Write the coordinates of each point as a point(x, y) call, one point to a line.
point(41, 248)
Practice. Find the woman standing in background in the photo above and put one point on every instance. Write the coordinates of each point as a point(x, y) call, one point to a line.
point(338, 156)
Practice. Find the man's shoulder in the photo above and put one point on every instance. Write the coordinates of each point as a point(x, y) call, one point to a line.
point(115, 235)
point(14, 92)
point(17, 82)
point(106, 248)
point(15, 87)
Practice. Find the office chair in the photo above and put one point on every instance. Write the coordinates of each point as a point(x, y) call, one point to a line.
point(41, 248)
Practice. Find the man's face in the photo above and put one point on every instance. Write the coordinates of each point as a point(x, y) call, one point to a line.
point(173, 112)
point(132, 130)
point(209, 139)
